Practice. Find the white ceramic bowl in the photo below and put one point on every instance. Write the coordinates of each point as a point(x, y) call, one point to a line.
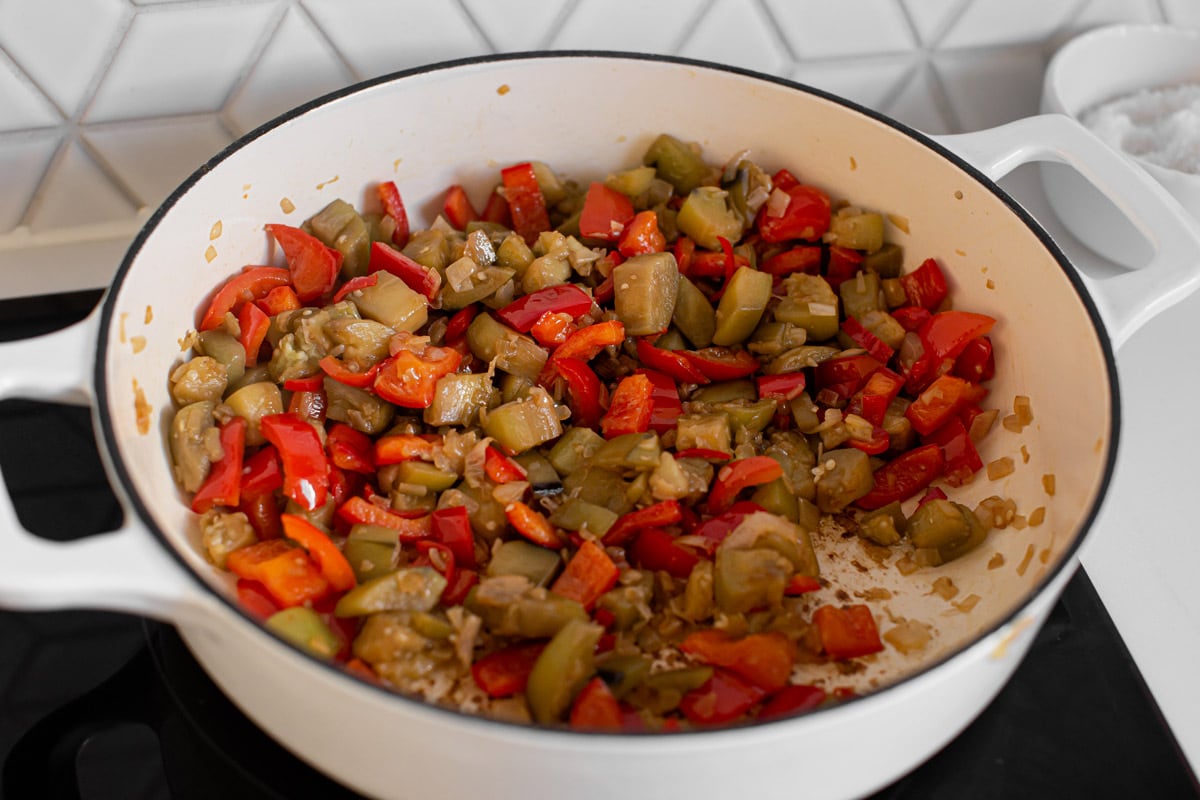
point(1096, 67)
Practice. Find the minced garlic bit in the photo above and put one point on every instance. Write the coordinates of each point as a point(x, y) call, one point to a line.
point(1023, 409)
point(1048, 482)
point(287, 206)
point(908, 636)
point(210, 254)
point(1000, 468)
point(996, 512)
point(214, 232)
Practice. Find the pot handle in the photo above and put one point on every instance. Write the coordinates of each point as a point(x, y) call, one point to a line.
point(123, 570)
point(1127, 300)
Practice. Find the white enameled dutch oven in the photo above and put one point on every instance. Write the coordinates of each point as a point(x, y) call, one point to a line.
point(587, 114)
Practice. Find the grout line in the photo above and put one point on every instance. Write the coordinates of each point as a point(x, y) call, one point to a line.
point(554, 31)
point(465, 10)
point(269, 31)
point(300, 7)
point(774, 25)
point(941, 98)
point(688, 30)
point(1163, 16)
point(947, 24)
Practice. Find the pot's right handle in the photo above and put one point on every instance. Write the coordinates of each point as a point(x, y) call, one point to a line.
point(123, 570)
point(1128, 300)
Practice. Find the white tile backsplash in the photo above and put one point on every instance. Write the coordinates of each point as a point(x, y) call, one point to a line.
point(105, 105)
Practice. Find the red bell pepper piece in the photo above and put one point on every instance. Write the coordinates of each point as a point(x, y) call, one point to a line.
point(911, 318)
point(434, 554)
point(522, 313)
point(790, 700)
point(584, 389)
point(500, 468)
point(525, 201)
point(904, 476)
point(915, 363)
point(764, 659)
point(457, 208)
point(309, 405)
point(844, 375)
point(496, 210)
point(703, 453)
point(553, 328)
point(877, 393)
point(977, 361)
point(782, 388)
point(589, 574)
point(254, 598)
point(943, 399)
point(961, 458)
point(684, 248)
point(844, 264)
point(532, 524)
point(250, 284)
point(801, 584)
point(926, 285)
point(947, 333)
point(784, 179)
point(252, 325)
point(223, 485)
point(313, 266)
point(802, 258)
point(286, 571)
point(305, 467)
point(738, 475)
point(261, 473)
point(321, 549)
point(805, 216)
point(452, 527)
point(642, 236)
point(309, 383)
point(860, 335)
point(847, 632)
point(404, 447)
point(714, 264)
point(655, 549)
point(342, 373)
point(418, 277)
point(504, 673)
point(665, 406)
point(456, 328)
point(723, 363)
point(393, 206)
point(596, 709)
point(586, 342)
point(354, 285)
point(723, 698)
point(456, 593)
point(409, 378)
point(715, 530)
point(878, 444)
point(630, 409)
point(605, 213)
point(661, 514)
point(358, 510)
point(671, 362)
point(350, 449)
point(279, 299)
point(263, 513)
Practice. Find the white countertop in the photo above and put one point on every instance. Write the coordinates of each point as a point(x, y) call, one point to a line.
point(1143, 552)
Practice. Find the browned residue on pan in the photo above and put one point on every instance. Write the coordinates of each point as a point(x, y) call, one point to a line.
point(141, 408)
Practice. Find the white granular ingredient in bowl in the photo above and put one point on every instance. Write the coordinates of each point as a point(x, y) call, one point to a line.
point(1161, 126)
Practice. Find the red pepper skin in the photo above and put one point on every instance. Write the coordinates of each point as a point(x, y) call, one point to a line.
point(393, 206)
point(844, 375)
point(254, 598)
point(661, 514)
point(223, 485)
point(261, 473)
point(806, 216)
point(844, 264)
point(847, 632)
point(350, 449)
point(802, 258)
point(354, 285)
point(875, 347)
point(305, 468)
point(655, 549)
point(911, 318)
point(674, 364)
point(457, 207)
point(313, 266)
point(456, 593)
point(712, 264)
point(961, 458)
point(589, 574)
point(630, 409)
point(321, 549)
point(665, 405)
point(642, 236)
point(456, 328)
point(496, 210)
point(684, 248)
point(409, 378)
point(252, 324)
point(416, 276)
point(445, 563)
point(252, 283)
point(584, 389)
point(791, 700)
point(605, 213)
point(404, 447)
point(284, 570)
point(532, 524)
point(715, 529)
point(311, 383)
point(764, 659)
point(723, 363)
point(524, 312)
point(703, 453)
point(944, 398)
point(723, 698)
point(782, 388)
point(904, 476)
point(596, 709)
point(504, 673)
point(738, 475)
point(977, 361)
point(278, 300)
point(343, 374)
point(586, 342)
point(878, 444)
point(877, 393)
point(360, 510)
point(926, 285)
point(784, 179)
point(500, 468)
point(801, 584)
point(947, 333)
point(525, 201)
point(452, 527)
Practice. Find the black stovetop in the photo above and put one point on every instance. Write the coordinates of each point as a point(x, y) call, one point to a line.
point(98, 706)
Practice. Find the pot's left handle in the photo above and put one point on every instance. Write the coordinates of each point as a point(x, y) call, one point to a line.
point(124, 570)
point(1128, 300)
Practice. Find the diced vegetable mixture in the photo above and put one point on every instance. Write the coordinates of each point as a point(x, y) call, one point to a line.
point(563, 459)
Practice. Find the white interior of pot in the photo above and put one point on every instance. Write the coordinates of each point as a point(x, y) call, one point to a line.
point(589, 116)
